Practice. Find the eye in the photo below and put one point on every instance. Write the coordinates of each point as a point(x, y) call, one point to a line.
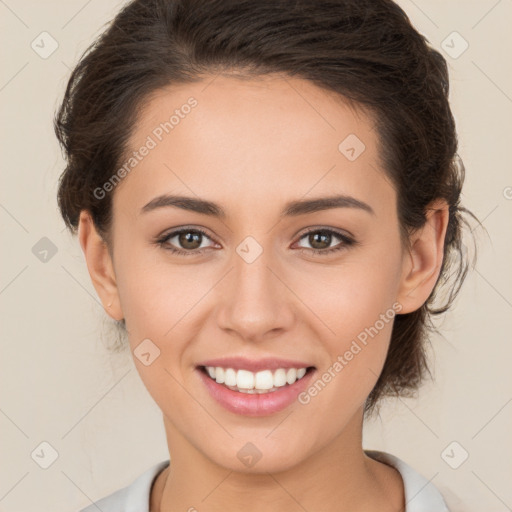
point(190, 239)
point(321, 239)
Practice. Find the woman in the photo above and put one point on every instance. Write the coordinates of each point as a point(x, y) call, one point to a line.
point(267, 197)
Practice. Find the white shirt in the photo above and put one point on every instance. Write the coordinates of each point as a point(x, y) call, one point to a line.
point(420, 494)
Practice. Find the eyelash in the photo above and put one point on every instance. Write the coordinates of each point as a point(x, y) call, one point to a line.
point(346, 241)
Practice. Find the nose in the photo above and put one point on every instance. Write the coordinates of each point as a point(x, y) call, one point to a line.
point(255, 302)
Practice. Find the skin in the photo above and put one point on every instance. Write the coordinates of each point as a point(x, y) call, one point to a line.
point(251, 146)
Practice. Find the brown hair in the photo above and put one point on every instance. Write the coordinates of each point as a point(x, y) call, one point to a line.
point(367, 51)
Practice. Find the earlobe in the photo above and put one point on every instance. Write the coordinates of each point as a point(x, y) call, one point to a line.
point(423, 261)
point(100, 265)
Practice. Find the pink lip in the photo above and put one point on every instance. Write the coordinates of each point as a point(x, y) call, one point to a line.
point(242, 363)
point(256, 404)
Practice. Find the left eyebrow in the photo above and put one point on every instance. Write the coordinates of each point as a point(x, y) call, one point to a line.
point(304, 206)
point(291, 209)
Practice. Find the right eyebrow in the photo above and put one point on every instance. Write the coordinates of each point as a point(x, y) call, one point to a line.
point(186, 203)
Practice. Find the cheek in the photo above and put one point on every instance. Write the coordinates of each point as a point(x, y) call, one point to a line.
point(357, 306)
point(156, 299)
point(357, 351)
point(351, 296)
point(155, 295)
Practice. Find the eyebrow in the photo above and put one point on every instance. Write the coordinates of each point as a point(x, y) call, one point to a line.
point(291, 209)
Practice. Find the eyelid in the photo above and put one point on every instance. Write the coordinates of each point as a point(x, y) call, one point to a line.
point(314, 229)
point(179, 229)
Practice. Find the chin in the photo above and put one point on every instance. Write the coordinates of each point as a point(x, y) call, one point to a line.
point(258, 456)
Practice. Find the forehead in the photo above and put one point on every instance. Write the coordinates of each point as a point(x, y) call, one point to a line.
point(252, 140)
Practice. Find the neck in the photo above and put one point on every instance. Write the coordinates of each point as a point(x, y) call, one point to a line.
point(339, 477)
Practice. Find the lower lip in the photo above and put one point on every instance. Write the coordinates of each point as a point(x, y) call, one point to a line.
point(255, 404)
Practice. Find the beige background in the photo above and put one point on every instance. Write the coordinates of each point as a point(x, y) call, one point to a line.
point(60, 385)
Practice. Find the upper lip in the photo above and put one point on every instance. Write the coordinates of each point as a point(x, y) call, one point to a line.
point(254, 365)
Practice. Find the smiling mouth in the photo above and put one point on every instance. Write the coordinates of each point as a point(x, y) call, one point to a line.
point(264, 381)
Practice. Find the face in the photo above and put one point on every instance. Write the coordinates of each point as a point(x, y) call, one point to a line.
point(261, 276)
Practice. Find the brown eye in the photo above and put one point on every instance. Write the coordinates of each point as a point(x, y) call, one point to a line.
point(187, 242)
point(320, 241)
point(190, 239)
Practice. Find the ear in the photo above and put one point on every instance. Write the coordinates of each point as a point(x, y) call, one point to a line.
point(100, 266)
point(423, 261)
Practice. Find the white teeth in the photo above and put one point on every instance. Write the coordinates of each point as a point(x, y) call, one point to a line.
point(280, 377)
point(255, 382)
point(245, 379)
point(230, 377)
point(301, 372)
point(264, 380)
point(218, 374)
point(291, 375)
